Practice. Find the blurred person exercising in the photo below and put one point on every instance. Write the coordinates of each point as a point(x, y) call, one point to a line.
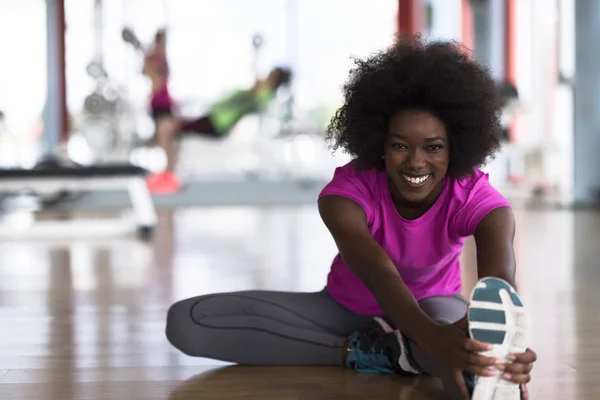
point(222, 116)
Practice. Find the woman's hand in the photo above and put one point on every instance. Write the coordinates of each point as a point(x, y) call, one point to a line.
point(451, 346)
point(518, 371)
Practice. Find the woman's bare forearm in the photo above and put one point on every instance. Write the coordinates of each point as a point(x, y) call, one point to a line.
point(368, 260)
point(379, 274)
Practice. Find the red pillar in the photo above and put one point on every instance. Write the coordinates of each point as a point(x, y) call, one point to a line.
point(468, 34)
point(510, 65)
point(58, 36)
point(410, 17)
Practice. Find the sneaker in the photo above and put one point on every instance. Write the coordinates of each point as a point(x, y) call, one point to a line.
point(163, 183)
point(377, 348)
point(496, 315)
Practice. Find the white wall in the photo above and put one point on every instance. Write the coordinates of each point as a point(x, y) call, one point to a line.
point(446, 22)
point(545, 127)
point(23, 75)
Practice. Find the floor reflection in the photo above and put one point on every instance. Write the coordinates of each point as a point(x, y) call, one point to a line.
point(85, 318)
point(302, 383)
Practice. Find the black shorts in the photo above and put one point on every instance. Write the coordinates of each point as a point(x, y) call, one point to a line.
point(161, 112)
point(202, 126)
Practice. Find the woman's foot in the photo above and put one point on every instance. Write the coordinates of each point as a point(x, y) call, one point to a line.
point(163, 183)
point(496, 315)
point(377, 348)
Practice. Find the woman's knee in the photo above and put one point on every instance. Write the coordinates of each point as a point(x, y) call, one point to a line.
point(181, 330)
point(166, 128)
point(445, 310)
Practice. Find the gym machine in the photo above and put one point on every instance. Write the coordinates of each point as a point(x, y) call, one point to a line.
point(52, 175)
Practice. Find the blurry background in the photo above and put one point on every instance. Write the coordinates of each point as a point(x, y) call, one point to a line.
point(528, 45)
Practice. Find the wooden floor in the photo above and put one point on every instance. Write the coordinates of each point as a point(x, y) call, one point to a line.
point(84, 319)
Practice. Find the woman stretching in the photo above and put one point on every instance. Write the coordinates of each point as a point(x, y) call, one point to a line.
point(419, 120)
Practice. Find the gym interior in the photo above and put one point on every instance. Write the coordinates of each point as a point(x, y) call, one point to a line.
point(105, 224)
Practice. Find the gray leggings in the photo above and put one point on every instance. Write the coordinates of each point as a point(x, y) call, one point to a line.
point(285, 328)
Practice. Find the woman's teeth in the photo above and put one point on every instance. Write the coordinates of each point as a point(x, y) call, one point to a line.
point(417, 180)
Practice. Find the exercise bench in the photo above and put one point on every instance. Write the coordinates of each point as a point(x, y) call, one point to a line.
point(80, 179)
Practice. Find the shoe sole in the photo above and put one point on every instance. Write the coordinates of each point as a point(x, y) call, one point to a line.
point(496, 315)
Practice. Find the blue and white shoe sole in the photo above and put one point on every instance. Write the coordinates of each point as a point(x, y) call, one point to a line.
point(496, 315)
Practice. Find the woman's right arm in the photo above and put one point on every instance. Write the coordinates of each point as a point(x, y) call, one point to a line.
point(449, 344)
point(347, 222)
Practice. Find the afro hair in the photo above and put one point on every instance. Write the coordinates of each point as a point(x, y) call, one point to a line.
point(438, 77)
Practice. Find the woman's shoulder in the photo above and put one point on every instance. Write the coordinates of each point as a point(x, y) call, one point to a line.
point(472, 191)
point(473, 198)
point(351, 180)
point(353, 171)
point(473, 182)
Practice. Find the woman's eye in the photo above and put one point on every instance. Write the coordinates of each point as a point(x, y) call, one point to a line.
point(435, 147)
point(398, 146)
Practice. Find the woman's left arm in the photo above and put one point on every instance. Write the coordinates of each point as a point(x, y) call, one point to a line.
point(494, 238)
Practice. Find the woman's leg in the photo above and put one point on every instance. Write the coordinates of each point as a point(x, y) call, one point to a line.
point(165, 182)
point(200, 126)
point(444, 310)
point(264, 328)
point(166, 132)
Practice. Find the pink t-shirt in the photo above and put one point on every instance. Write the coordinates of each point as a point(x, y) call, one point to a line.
point(426, 250)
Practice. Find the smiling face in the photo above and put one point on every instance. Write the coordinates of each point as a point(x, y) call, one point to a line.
point(416, 157)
